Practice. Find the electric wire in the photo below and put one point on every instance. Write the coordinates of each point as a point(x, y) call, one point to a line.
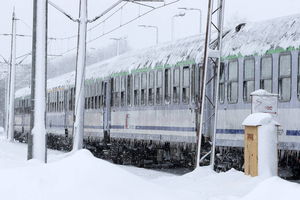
point(118, 27)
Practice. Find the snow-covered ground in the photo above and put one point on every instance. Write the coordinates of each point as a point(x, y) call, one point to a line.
point(82, 176)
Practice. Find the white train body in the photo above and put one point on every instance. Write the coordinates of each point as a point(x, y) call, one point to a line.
point(151, 96)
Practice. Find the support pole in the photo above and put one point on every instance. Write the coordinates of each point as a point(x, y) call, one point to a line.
point(80, 77)
point(39, 63)
point(12, 76)
point(6, 103)
point(203, 85)
point(220, 37)
point(211, 63)
point(33, 66)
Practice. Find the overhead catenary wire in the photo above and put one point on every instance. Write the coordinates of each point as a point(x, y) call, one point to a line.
point(142, 4)
point(106, 11)
point(5, 61)
point(62, 11)
point(95, 19)
point(108, 17)
point(118, 27)
point(49, 38)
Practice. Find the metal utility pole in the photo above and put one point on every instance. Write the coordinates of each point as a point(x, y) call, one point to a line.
point(172, 28)
point(80, 77)
point(12, 78)
point(149, 26)
point(37, 138)
point(7, 102)
point(118, 41)
point(200, 12)
point(210, 86)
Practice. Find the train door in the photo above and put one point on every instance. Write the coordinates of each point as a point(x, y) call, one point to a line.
point(65, 110)
point(106, 110)
point(23, 115)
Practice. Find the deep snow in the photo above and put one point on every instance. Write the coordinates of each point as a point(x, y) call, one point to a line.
point(82, 176)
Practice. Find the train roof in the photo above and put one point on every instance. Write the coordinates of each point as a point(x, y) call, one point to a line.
point(256, 38)
point(259, 38)
point(181, 52)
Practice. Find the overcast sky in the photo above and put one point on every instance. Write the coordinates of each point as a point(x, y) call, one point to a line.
point(59, 26)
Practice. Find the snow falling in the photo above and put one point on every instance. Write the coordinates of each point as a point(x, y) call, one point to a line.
point(150, 123)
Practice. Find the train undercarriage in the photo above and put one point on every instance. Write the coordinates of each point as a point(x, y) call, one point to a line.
point(166, 155)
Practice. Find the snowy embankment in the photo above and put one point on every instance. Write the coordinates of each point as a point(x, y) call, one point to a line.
point(82, 176)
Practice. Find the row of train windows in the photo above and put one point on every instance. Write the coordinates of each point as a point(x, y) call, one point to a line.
point(266, 78)
point(155, 87)
point(22, 106)
point(177, 85)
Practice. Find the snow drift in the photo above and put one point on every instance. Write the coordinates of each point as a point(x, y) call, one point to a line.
point(81, 176)
point(78, 176)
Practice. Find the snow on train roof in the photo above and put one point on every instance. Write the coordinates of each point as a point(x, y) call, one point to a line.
point(245, 40)
point(182, 51)
point(260, 37)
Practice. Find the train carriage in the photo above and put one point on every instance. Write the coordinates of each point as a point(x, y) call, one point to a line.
point(144, 103)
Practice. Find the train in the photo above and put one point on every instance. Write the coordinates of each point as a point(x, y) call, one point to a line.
point(142, 107)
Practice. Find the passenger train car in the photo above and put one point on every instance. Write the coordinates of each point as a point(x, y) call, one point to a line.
point(144, 104)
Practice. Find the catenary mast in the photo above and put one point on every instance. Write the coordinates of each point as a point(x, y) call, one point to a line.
point(11, 89)
point(38, 96)
point(80, 77)
point(208, 106)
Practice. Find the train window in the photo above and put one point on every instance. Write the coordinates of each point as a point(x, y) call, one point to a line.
point(48, 102)
point(100, 95)
point(232, 87)
point(91, 102)
point(144, 89)
point(136, 92)
point(23, 104)
point(86, 89)
point(123, 90)
point(284, 79)
point(266, 73)
point(73, 98)
point(186, 85)
point(92, 93)
point(129, 89)
point(56, 101)
point(61, 100)
point(298, 78)
point(159, 82)
point(52, 102)
point(70, 99)
point(151, 88)
point(195, 80)
point(176, 79)
point(167, 86)
point(97, 92)
point(249, 76)
point(116, 91)
point(222, 83)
